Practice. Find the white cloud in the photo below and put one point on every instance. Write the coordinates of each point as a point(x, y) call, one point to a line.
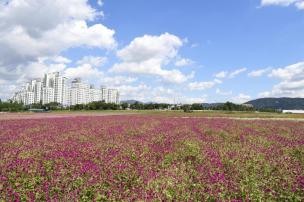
point(33, 33)
point(99, 3)
point(60, 59)
point(298, 3)
point(194, 45)
point(277, 2)
point(85, 71)
point(221, 74)
point(291, 81)
point(9, 87)
point(259, 72)
point(237, 72)
point(95, 61)
point(204, 85)
point(191, 100)
point(55, 26)
point(181, 62)
point(221, 92)
point(226, 74)
point(291, 72)
point(148, 54)
point(163, 48)
point(158, 94)
point(276, 91)
point(241, 98)
point(37, 69)
point(136, 92)
point(31, 70)
point(114, 81)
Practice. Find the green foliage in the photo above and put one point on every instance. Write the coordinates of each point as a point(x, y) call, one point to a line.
point(187, 108)
point(149, 106)
point(100, 105)
point(229, 106)
point(11, 106)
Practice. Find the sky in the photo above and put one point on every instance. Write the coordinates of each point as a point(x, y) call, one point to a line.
point(161, 51)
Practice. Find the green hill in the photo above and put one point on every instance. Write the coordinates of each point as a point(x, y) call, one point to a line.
point(278, 103)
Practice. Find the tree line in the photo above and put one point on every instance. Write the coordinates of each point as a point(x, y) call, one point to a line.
point(10, 106)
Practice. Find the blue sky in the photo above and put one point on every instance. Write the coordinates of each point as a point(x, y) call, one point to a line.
point(163, 51)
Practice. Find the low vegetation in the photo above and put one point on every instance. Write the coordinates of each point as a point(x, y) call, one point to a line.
point(151, 158)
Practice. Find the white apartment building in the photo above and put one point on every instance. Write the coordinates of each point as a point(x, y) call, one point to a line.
point(95, 94)
point(104, 94)
point(27, 94)
point(79, 93)
point(48, 95)
point(54, 88)
point(113, 96)
point(25, 97)
point(37, 89)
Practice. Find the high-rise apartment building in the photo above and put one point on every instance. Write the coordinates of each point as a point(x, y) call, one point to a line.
point(54, 88)
point(113, 96)
point(79, 93)
point(95, 94)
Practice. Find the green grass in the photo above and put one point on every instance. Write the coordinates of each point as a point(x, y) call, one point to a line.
point(179, 113)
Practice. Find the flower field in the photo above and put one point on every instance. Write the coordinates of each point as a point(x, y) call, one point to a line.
point(145, 158)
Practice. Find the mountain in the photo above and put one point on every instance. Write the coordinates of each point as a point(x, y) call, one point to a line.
point(131, 101)
point(278, 103)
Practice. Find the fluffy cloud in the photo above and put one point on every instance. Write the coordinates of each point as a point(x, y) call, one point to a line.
point(56, 26)
point(291, 81)
point(30, 70)
point(94, 61)
point(241, 98)
point(298, 3)
point(145, 93)
point(136, 92)
point(10, 88)
point(204, 85)
point(33, 33)
point(148, 54)
point(86, 68)
point(289, 73)
point(85, 71)
point(114, 81)
point(222, 74)
point(259, 72)
point(60, 59)
point(181, 62)
point(99, 2)
point(221, 92)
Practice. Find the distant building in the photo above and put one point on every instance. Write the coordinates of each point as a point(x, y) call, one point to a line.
point(54, 88)
point(113, 96)
point(293, 111)
point(79, 92)
point(247, 105)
